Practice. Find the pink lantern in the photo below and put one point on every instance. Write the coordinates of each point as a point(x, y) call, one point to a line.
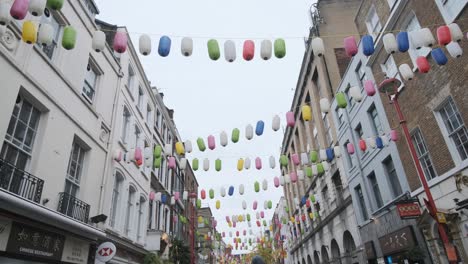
point(237, 233)
point(259, 224)
point(369, 87)
point(211, 142)
point(227, 219)
point(234, 224)
point(258, 163)
point(19, 9)
point(152, 195)
point(120, 41)
point(308, 203)
point(249, 50)
point(176, 196)
point(255, 204)
point(223, 234)
point(175, 218)
point(394, 135)
point(423, 64)
point(350, 46)
point(277, 182)
point(171, 163)
point(295, 159)
point(138, 156)
point(290, 120)
point(444, 36)
point(362, 145)
point(215, 223)
point(350, 148)
point(293, 176)
point(262, 214)
point(245, 232)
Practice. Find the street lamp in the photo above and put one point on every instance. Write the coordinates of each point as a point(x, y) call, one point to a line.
point(390, 87)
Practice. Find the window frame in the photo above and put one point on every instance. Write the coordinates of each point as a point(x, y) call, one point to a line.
point(131, 195)
point(126, 124)
point(362, 202)
point(58, 24)
point(117, 187)
point(374, 185)
point(396, 190)
point(92, 66)
point(73, 182)
point(372, 29)
point(450, 17)
point(370, 112)
point(413, 52)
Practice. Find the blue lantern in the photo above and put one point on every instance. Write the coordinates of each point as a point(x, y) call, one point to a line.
point(379, 142)
point(259, 128)
point(367, 45)
point(163, 198)
point(403, 41)
point(330, 154)
point(164, 46)
point(303, 201)
point(439, 56)
point(231, 191)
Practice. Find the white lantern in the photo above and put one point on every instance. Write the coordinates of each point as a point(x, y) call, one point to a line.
point(148, 163)
point(390, 43)
point(296, 201)
point(99, 41)
point(241, 189)
point(183, 163)
point(326, 166)
point(318, 47)
point(130, 156)
point(337, 151)
point(206, 164)
point(455, 32)
point(244, 205)
point(172, 200)
point(186, 46)
point(157, 197)
point(148, 153)
point(371, 143)
point(185, 196)
point(145, 45)
point(300, 175)
point(249, 132)
point(230, 233)
point(304, 159)
point(276, 123)
point(287, 178)
point(5, 13)
point(250, 225)
point(323, 155)
point(168, 149)
point(2, 30)
point(230, 51)
point(117, 155)
point(314, 170)
point(188, 146)
point(417, 39)
point(427, 37)
point(265, 185)
point(36, 7)
point(266, 49)
point(355, 93)
point(282, 180)
point(265, 205)
point(247, 163)
point(257, 215)
point(406, 72)
point(45, 34)
point(223, 192)
point(272, 162)
point(454, 49)
point(251, 232)
point(324, 105)
point(223, 139)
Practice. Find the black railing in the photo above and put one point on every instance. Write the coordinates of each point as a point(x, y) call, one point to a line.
point(73, 207)
point(20, 182)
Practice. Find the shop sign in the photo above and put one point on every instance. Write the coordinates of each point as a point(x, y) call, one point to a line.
point(370, 250)
point(75, 251)
point(451, 252)
point(441, 218)
point(31, 241)
point(106, 251)
point(397, 241)
point(408, 210)
point(5, 228)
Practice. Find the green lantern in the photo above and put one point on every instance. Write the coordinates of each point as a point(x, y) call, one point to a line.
point(341, 100)
point(157, 151)
point(201, 144)
point(320, 169)
point(313, 156)
point(312, 198)
point(284, 161)
point(213, 49)
point(264, 223)
point(198, 203)
point(308, 172)
point(211, 192)
point(69, 38)
point(235, 135)
point(55, 4)
point(287, 209)
point(257, 186)
point(195, 164)
point(248, 217)
point(218, 165)
point(157, 163)
point(280, 48)
point(270, 204)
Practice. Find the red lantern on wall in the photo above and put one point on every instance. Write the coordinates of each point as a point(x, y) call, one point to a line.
point(423, 64)
point(362, 145)
point(443, 35)
point(203, 194)
point(249, 50)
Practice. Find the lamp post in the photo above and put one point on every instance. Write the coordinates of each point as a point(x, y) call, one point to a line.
point(390, 88)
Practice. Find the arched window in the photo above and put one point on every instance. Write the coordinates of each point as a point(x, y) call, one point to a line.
point(130, 210)
point(116, 197)
point(141, 219)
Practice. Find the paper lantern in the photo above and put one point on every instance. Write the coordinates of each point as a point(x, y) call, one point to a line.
point(341, 100)
point(213, 49)
point(55, 4)
point(403, 41)
point(230, 51)
point(379, 142)
point(314, 156)
point(417, 39)
point(304, 159)
point(293, 177)
point(259, 128)
point(355, 93)
point(171, 163)
point(223, 192)
point(276, 182)
point(185, 196)
point(231, 190)
point(439, 56)
point(272, 162)
point(318, 47)
point(295, 159)
point(394, 135)
point(406, 72)
point(337, 151)
point(321, 168)
point(270, 204)
point(19, 9)
point(203, 194)
point(157, 151)
point(350, 45)
point(69, 38)
point(390, 43)
point(258, 163)
point(262, 215)
point(249, 132)
point(265, 185)
point(265, 205)
point(255, 204)
point(206, 164)
point(201, 144)
point(369, 87)
point(36, 7)
point(173, 201)
point(163, 198)
point(371, 143)
point(330, 154)
point(300, 175)
point(120, 41)
point(117, 155)
point(145, 45)
point(240, 164)
point(180, 150)
point(247, 163)
point(454, 50)
point(280, 48)
point(235, 135)
point(455, 32)
point(168, 149)
point(199, 204)
point(29, 33)
point(177, 196)
point(186, 46)
point(211, 193)
point(385, 140)
point(249, 50)
point(241, 189)
point(350, 148)
point(257, 187)
point(427, 37)
point(99, 41)
point(266, 49)
point(367, 45)
point(138, 156)
point(306, 113)
point(423, 64)
point(4, 13)
point(157, 163)
point(218, 165)
point(211, 142)
point(444, 36)
point(362, 145)
point(290, 120)
point(164, 47)
point(195, 164)
point(223, 139)
point(308, 172)
point(324, 105)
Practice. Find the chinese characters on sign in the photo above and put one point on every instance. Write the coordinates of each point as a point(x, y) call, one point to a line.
point(397, 241)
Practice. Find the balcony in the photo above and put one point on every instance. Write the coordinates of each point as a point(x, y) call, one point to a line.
point(73, 207)
point(20, 182)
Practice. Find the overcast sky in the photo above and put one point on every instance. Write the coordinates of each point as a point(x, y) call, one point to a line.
point(213, 96)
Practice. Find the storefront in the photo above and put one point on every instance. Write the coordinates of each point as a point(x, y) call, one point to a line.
point(401, 247)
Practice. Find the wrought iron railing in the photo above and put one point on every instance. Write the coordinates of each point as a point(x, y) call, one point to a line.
point(73, 207)
point(20, 182)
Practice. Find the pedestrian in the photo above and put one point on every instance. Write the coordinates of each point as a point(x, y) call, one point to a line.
point(258, 260)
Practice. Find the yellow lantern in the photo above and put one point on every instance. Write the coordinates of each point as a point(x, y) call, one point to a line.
point(200, 220)
point(180, 148)
point(29, 32)
point(218, 204)
point(240, 164)
point(306, 113)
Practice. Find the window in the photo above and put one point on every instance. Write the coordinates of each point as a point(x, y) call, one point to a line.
point(92, 9)
point(374, 184)
point(75, 168)
point(141, 99)
point(350, 98)
point(392, 177)
point(339, 114)
point(361, 74)
point(130, 209)
point(137, 136)
point(149, 115)
point(118, 182)
point(141, 219)
point(412, 26)
point(125, 125)
point(359, 131)
point(362, 203)
point(375, 120)
point(373, 22)
point(456, 129)
point(131, 79)
point(158, 119)
point(390, 68)
point(423, 154)
point(326, 125)
point(49, 50)
point(89, 87)
point(450, 9)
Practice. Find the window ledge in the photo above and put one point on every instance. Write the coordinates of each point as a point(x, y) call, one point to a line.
point(123, 145)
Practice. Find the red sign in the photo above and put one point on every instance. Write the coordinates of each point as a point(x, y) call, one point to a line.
point(408, 210)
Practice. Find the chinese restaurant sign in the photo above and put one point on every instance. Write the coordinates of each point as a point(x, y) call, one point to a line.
point(398, 241)
point(408, 210)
